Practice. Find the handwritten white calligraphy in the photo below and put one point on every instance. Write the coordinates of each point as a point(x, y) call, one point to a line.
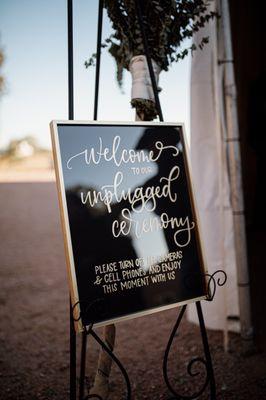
point(182, 235)
point(118, 155)
point(138, 199)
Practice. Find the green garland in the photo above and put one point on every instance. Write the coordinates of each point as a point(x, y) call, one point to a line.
point(1, 77)
point(167, 24)
point(145, 109)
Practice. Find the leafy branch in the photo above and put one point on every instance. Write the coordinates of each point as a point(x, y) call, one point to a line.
point(167, 24)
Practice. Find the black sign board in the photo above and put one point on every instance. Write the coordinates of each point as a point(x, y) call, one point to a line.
point(129, 220)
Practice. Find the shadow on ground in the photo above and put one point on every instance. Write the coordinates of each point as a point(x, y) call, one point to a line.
point(34, 353)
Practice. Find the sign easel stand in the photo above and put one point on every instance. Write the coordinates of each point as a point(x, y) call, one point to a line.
point(218, 278)
point(72, 333)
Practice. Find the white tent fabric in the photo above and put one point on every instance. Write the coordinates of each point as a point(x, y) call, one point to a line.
point(210, 179)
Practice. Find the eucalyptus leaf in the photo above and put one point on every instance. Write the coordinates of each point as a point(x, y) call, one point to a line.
point(168, 23)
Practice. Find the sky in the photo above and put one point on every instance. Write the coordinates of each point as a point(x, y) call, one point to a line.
point(33, 36)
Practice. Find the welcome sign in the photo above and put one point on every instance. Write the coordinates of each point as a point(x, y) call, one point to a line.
point(130, 226)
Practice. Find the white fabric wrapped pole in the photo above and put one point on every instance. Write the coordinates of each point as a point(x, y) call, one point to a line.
point(141, 81)
point(101, 380)
point(141, 89)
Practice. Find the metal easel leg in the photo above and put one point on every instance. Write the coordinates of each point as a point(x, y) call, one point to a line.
point(206, 351)
point(82, 365)
point(95, 116)
point(205, 363)
point(72, 336)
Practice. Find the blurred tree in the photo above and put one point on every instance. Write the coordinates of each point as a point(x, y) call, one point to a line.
point(1, 77)
point(20, 148)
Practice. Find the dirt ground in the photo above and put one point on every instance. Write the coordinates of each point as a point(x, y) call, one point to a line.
point(34, 349)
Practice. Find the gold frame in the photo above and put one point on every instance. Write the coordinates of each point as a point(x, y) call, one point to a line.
point(65, 221)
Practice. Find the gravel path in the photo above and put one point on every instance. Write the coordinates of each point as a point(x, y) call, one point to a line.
point(34, 354)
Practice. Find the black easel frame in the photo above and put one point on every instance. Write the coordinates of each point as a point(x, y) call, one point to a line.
point(72, 333)
point(213, 280)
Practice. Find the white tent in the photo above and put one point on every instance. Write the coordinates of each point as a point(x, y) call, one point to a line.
point(215, 160)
